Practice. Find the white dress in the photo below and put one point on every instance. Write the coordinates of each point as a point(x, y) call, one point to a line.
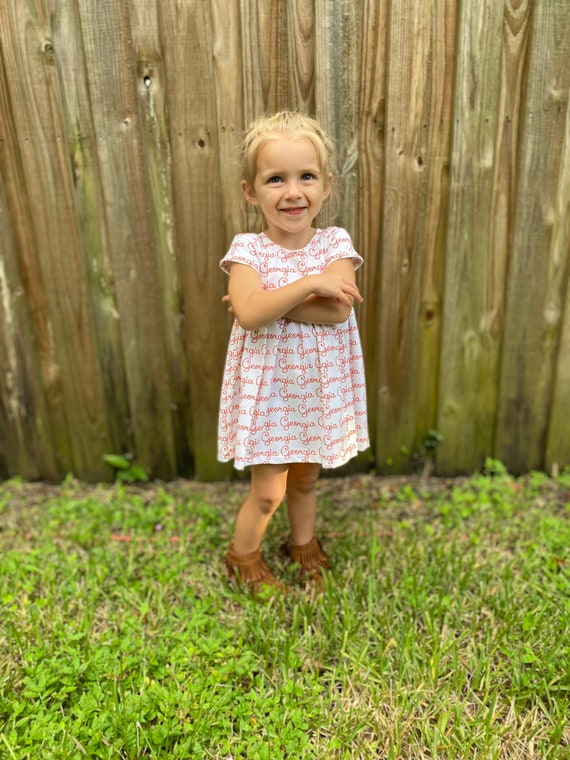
point(292, 391)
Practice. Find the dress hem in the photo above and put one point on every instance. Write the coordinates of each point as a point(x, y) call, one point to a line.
point(310, 460)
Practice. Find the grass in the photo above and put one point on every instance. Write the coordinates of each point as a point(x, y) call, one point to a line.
point(443, 632)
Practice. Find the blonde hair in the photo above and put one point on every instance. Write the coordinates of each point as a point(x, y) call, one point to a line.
point(295, 125)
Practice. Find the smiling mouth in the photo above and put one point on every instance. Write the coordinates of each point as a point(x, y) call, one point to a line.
point(293, 210)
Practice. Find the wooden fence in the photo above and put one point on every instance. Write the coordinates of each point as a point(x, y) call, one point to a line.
point(119, 121)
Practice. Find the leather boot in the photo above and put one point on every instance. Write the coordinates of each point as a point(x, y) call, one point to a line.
point(250, 570)
point(311, 558)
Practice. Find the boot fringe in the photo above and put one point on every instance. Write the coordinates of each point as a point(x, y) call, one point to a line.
point(311, 557)
point(250, 570)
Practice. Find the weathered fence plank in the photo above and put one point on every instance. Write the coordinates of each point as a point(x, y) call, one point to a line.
point(338, 28)
point(229, 107)
point(301, 53)
point(51, 263)
point(264, 52)
point(370, 137)
point(491, 61)
point(90, 209)
point(418, 104)
point(558, 440)
point(201, 236)
point(537, 275)
point(152, 94)
point(26, 444)
point(226, 45)
point(112, 78)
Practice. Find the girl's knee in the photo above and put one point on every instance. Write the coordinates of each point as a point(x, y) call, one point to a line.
point(268, 490)
point(303, 479)
point(266, 503)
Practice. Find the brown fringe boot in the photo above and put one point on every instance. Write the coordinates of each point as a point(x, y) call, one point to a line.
point(312, 559)
point(250, 570)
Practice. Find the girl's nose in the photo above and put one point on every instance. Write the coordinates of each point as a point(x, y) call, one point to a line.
point(292, 190)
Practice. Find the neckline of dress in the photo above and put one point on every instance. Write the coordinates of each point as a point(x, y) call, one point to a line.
point(318, 230)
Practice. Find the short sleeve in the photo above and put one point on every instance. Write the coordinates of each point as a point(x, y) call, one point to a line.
point(242, 251)
point(339, 246)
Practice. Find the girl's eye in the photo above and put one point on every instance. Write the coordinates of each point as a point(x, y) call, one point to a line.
point(307, 176)
point(274, 180)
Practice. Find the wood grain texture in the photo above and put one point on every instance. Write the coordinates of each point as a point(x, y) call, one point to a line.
point(201, 238)
point(26, 442)
point(418, 105)
point(229, 106)
point(152, 98)
point(370, 138)
point(24, 412)
point(265, 57)
point(558, 437)
point(301, 23)
point(227, 48)
point(492, 60)
point(538, 270)
point(337, 32)
point(89, 198)
point(118, 132)
point(50, 260)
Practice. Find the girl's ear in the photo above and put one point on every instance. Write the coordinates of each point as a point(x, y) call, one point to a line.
point(249, 192)
point(328, 185)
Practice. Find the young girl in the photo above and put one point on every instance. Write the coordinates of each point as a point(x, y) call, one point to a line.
point(293, 396)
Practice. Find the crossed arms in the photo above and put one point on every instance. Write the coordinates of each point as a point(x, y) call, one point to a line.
point(325, 298)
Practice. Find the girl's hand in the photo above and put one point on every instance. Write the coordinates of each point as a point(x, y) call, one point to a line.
point(335, 285)
point(228, 304)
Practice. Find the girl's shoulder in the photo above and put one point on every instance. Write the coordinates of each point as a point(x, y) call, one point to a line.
point(335, 233)
point(245, 249)
point(247, 240)
point(338, 244)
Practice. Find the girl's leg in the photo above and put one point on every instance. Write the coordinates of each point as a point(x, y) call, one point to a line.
point(302, 501)
point(267, 490)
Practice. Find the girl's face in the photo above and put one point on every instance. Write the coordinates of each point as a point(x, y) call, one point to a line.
point(289, 188)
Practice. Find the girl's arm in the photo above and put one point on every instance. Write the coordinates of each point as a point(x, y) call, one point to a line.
point(326, 311)
point(255, 307)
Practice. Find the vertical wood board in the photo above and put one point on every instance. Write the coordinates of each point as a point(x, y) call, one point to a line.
point(73, 391)
point(371, 137)
point(132, 239)
point(480, 198)
point(198, 212)
point(418, 93)
point(534, 292)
